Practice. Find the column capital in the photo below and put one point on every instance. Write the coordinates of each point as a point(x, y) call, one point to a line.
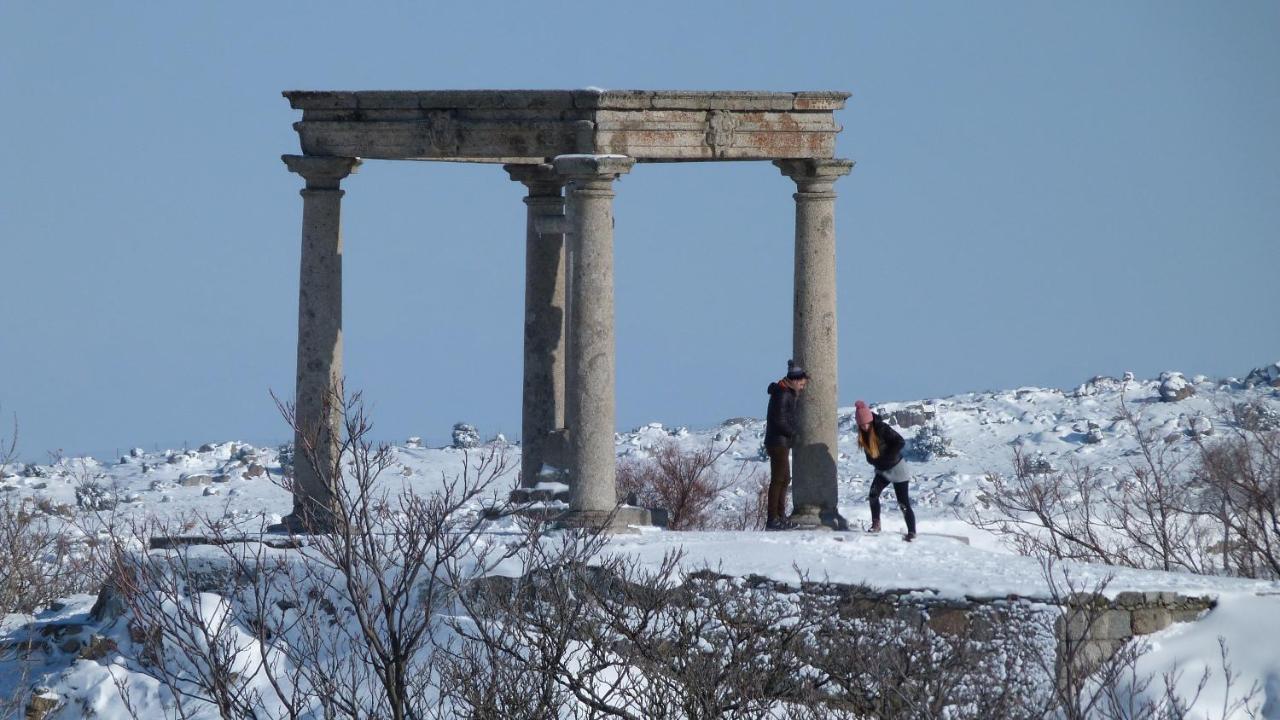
point(322, 172)
point(815, 175)
point(593, 167)
point(542, 179)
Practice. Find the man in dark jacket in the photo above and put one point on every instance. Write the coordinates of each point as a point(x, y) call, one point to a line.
point(883, 447)
point(779, 437)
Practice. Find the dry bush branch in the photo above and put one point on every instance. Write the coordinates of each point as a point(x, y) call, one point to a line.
point(683, 482)
point(42, 558)
point(339, 623)
point(1154, 514)
point(1242, 474)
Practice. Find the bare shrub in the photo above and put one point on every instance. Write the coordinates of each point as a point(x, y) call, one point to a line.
point(585, 634)
point(334, 624)
point(895, 666)
point(1242, 475)
point(1099, 679)
point(683, 482)
point(9, 447)
point(1149, 514)
point(42, 558)
point(605, 637)
point(750, 510)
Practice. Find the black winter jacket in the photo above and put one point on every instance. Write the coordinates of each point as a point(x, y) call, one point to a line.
point(780, 423)
point(891, 444)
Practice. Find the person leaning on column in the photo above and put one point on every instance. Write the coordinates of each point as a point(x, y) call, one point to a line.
point(779, 437)
point(883, 447)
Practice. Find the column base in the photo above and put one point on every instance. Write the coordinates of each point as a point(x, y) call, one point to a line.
point(623, 519)
point(815, 517)
point(299, 523)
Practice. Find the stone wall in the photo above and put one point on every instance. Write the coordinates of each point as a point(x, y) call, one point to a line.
point(1102, 625)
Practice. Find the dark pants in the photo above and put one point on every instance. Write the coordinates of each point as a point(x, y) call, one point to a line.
point(899, 491)
point(779, 480)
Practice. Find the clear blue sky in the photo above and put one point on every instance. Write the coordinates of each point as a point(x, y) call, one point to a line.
point(1043, 192)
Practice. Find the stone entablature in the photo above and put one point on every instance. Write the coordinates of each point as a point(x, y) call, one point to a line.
point(533, 126)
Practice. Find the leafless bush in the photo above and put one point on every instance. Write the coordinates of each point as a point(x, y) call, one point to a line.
point(583, 634)
point(332, 624)
point(605, 637)
point(750, 510)
point(1149, 514)
point(1098, 679)
point(9, 447)
point(896, 666)
point(683, 482)
point(42, 560)
point(1220, 516)
point(1242, 475)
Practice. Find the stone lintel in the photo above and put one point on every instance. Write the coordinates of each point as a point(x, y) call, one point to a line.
point(321, 172)
point(532, 126)
point(593, 166)
point(583, 99)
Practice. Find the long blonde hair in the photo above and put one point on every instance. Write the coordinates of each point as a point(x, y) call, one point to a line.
point(869, 441)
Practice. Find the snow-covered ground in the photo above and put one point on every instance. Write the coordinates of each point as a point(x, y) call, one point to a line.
point(971, 434)
point(953, 444)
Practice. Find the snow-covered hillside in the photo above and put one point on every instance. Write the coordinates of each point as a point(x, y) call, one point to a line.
point(954, 443)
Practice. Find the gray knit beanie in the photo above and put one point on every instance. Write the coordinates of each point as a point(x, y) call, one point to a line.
point(795, 372)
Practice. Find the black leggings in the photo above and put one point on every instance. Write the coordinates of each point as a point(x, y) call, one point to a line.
point(899, 491)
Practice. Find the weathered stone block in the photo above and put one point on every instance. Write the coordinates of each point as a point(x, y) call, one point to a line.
point(1130, 599)
point(98, 648)
point(1090, 655)
point(43, 702)
point(819, 100)
point(1185, 615)
point(321, 100)
point(1095, 624)
point(1150, 620)
point(949, 621)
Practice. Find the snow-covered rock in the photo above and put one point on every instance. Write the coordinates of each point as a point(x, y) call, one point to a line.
point(1174, 387)
point(1199, 426)
point(194, 479)
point(465, 436)
point(1267, 375)
point(1093, 433)
point(931, 442)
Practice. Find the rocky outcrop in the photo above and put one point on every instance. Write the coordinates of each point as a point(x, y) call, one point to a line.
point(1265, 376)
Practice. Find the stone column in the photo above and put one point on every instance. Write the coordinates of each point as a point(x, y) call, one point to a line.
point(542, 409)
point(590, 402)
point(318, 392)
point(814, 490)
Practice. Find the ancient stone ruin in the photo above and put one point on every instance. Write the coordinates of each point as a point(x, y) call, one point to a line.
point(567, 147)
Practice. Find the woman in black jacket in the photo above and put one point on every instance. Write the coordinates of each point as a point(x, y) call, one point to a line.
point(779, 436)
point(883, 447)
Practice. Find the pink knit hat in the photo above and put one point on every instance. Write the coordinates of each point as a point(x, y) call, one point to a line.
point(861, 413)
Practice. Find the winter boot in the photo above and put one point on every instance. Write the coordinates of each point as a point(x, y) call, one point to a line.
point(910, 536)
point(875, 527)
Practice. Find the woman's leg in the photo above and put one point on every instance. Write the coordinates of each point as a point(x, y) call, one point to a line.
point(900, 490)
point(877, 487)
